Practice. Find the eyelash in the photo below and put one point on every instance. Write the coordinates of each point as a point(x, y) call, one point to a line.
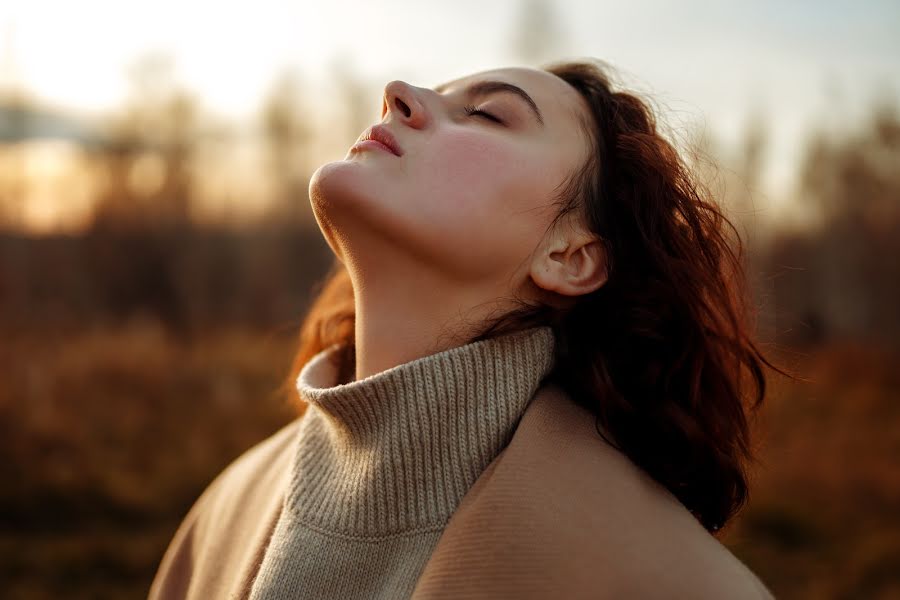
point(471, 110)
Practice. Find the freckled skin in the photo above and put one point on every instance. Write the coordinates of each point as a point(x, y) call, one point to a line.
point(455, 222)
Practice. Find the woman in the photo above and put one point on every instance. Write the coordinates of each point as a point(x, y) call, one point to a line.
point(525, 377)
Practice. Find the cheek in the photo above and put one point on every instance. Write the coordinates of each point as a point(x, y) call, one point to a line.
point(466, 169)
point(484, 195)
point(472, 175)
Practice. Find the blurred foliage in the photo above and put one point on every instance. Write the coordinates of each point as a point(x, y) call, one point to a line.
point(841, 278)
point(109, 435)
point(822, 521)
point(192, 280)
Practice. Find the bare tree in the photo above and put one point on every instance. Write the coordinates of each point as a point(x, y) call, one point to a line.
point(287, 138)
point(152, 138)
point(538, 35)
point(360, 104)
point(845, 276)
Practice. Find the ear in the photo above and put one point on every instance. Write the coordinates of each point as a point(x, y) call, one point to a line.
point(572, 265)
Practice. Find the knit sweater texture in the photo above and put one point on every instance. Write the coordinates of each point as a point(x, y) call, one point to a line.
point(380, 464)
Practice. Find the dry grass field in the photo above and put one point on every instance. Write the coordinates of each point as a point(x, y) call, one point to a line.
point(109, 435)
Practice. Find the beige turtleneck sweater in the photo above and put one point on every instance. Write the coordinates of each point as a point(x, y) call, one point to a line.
point(380, 464)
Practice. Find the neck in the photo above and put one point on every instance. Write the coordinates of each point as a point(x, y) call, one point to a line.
point(406, 318)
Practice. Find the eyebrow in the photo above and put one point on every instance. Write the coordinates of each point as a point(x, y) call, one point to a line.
point(483, 88)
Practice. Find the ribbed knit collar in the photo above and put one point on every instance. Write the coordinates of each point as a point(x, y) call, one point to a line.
point(395, 452)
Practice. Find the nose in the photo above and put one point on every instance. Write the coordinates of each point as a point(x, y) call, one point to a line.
point(405, 104)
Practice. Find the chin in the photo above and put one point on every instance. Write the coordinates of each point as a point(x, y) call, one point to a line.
point(326, 177)
point(325, 198)
point(345, 199)
point(335, 183)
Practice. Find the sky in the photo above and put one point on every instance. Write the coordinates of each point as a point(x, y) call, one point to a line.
point(798, 62)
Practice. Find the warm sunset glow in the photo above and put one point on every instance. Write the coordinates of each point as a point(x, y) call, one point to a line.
point(164, 281)
point(706, 67)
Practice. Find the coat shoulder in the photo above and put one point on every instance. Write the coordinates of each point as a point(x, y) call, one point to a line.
point(564, 513)
point(237, 505)
point(253, 474)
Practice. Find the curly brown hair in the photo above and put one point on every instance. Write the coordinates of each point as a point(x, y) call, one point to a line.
point(663, 353)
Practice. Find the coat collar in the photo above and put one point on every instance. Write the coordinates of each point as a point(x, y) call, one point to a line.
point(561, 513)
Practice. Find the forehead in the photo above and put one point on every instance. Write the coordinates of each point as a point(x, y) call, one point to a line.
point(562, 106)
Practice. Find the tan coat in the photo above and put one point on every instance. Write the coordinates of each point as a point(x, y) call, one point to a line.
point(559, 513)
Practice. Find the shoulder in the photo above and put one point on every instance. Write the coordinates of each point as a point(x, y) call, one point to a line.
point(237, 506)
point(624, 520)
point(256, 472)
point(561, 497)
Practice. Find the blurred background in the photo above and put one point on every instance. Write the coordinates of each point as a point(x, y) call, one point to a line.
point(157, 249)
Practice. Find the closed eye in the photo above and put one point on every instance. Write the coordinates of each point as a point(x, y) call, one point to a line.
point(471, 110)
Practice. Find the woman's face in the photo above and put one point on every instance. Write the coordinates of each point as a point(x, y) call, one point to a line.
point(470, 195)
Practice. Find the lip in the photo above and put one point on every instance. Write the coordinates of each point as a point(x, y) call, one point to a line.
point(379, 137)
